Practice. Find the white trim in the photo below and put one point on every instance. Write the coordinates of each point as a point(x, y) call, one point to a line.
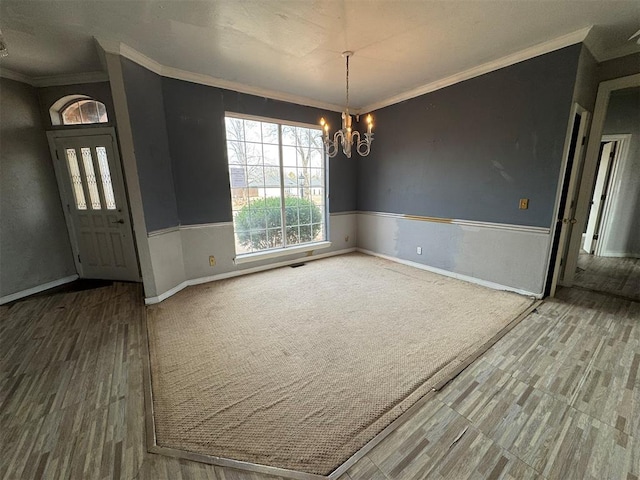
point(202, 79)
point(66, 196)
point(447, 273)
point(167, 294)
point(130, 169)
point(590, 164)
point(237, 273)
point(531, 52)
point(211, 225)
point(279, 121)
point(18, 77)
point(206, 225)
point(619, 254)
point(280, 252)
point(163, 231)
point(71, 79)
point(37, 289)
point(464, 223)
point(612, 189)
point(58, 105)
point(170, 72)
point(350, 212)
point(576, 168)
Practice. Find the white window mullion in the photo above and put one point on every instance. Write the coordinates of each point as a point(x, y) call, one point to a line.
point(283, 209)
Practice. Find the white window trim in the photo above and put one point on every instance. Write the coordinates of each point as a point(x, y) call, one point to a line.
point(279, 121)
point(285, 251)
point(280, 252)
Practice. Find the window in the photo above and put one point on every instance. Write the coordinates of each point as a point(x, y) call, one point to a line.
point(83, 178)
point(83, 112)
point(277, 177)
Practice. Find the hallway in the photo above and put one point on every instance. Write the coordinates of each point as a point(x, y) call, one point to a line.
point(618, 276)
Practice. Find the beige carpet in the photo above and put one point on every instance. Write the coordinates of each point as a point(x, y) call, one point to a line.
point(299, 367)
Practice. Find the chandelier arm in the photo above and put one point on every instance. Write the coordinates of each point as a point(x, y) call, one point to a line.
point(332, 146)
point(368, 138)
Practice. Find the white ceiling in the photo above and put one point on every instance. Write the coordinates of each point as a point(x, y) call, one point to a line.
point(292, 49)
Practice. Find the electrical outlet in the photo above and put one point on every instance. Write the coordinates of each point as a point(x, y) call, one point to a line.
point(346, 238)
point(419, 250)
point(524, 203)
point(212, 261)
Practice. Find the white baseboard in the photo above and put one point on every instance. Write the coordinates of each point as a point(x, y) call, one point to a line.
point(237, 273)
point(447, 273)
point(619, 255)
point(37, 289)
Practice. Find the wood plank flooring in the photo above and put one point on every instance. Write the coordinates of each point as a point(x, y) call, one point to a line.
point(620, 276)
point(558, 397)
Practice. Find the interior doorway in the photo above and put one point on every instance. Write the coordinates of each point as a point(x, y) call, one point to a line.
point(603, 251)
point(89, 174)
point(565, 221)
point(604, 199)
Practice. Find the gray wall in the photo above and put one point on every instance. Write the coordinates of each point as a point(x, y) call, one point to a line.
point(195, 122)
point(148, 127)
point(179, 137)
point(623, 116)
point(472, 150)
point(100, 91)
point(587, 79)
point(34, 242)
point(619, 67)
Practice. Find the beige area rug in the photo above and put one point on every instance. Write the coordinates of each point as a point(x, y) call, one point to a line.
point(299, 368)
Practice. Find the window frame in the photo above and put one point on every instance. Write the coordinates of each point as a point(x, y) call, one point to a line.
point(70, 103)
point(287, 249)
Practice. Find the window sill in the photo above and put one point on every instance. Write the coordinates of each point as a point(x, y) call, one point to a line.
point(281, 252)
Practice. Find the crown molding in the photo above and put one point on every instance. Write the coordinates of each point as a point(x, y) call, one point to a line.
point(202, 79)
point(18, 77)
point(526, 54)
point(55, 80)
point(71, 79)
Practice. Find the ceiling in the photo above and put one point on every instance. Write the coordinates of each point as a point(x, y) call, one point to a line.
point(291, 49)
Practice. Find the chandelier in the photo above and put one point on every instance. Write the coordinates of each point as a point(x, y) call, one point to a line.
point(346, 137)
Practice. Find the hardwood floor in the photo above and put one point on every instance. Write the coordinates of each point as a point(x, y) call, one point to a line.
point(558, 397)
point(620, 276)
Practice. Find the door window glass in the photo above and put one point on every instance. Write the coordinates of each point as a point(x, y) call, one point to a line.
point(76, 179)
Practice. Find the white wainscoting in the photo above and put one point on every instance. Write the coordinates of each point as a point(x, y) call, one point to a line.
point(508, 257)
point(180, 256)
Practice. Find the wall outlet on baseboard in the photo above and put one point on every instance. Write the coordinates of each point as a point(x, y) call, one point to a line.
point(212, 261)
point(419, 250)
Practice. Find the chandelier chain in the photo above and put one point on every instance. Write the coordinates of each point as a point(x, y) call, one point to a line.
point(347, 82)
point(350, 139)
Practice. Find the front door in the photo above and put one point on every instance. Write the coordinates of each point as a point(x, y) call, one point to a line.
point(95, 204)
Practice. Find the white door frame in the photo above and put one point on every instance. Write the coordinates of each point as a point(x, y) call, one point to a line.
point(568, 217)
point(613, 189)
point(594, 219)
point(590, 164)
point(66, 197)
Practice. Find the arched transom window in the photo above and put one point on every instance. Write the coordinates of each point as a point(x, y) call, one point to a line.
point(78, 110)
point(84, 112)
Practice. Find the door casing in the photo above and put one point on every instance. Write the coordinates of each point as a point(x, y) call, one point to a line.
point(559, 263)
point(66, 197)
point(589, 170)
